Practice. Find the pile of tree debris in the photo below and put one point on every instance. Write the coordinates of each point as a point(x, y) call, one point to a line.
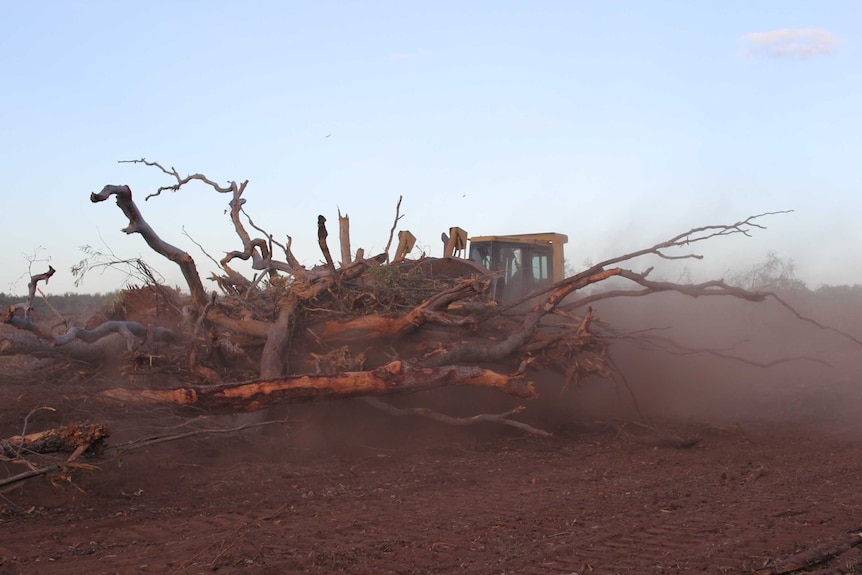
point(368, 326)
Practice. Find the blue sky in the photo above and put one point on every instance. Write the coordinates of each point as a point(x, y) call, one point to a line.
point(617, 123)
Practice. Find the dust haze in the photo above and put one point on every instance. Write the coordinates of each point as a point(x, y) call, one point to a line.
point(343, 487)
point(716, 360)
point(693, 359)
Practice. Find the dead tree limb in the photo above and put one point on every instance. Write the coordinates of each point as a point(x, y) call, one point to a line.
point(710, 288)
point(377, 326)
point(277, 339)
point(291, 259)
point(250, 327)
point(255, 249)
point(394, 225)
point(322, 234)
point(667, 345)
point(73, 439)
point(128, 329)
point(137, 224)
point(26, 344)
point(180, 181)
point(26, 323)
point(61, 440)
point(4, 445)
point(488, 352)
point(54, 467)
point(695, 235)
point(394, 377)
point(259, 250)
point(293, 266)
point(811, 321)
point(344, 238)
point(47, 302)
point(157, 439)
point(278, 333)
point(679, 241)
point(499, 418)
point(34, 282)
point(113, 450)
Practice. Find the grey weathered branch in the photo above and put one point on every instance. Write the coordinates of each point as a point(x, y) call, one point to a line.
point(138, 225)
point(28, 344)
point(34, 282)
point(685, 239)
point(128, 329)
point(256, 249)
point(180, 181)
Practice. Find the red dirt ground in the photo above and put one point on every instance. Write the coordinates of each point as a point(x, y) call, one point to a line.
point(325, 495)
point(738, 470)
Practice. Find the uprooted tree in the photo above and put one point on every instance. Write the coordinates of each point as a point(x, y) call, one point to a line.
point(366, 327)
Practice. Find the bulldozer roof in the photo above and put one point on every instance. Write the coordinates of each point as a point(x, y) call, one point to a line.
point(543, 238)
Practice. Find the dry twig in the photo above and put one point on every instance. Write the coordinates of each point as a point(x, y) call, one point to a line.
point(501, 418)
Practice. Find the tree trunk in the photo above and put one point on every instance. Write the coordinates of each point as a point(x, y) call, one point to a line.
point(60, 440)
point(344, 238)
point(394, 377)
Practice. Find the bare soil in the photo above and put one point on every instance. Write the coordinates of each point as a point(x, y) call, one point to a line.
point(733, 469)
point(344, 489)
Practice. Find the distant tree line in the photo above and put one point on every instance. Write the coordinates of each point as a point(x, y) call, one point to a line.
point(67, 304)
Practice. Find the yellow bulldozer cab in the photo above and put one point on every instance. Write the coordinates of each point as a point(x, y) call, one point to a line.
point(524, 262)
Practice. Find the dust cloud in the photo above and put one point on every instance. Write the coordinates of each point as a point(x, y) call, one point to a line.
point(694, 359)
point(808, 376)
point(690, 361)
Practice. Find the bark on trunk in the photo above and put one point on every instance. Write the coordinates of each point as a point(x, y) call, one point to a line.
point(392, 378)
point(377, 326)
point(60, 440)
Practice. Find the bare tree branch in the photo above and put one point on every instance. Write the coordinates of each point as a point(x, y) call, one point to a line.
point(394, 225)
point(137, 224)
point(684, 239)
point(322, 234)
point(180, 181)
point(500, 418)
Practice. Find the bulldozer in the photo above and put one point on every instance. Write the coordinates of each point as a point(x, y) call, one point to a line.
point(521, 263)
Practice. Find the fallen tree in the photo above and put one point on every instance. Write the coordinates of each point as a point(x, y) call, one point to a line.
point(365, 328)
